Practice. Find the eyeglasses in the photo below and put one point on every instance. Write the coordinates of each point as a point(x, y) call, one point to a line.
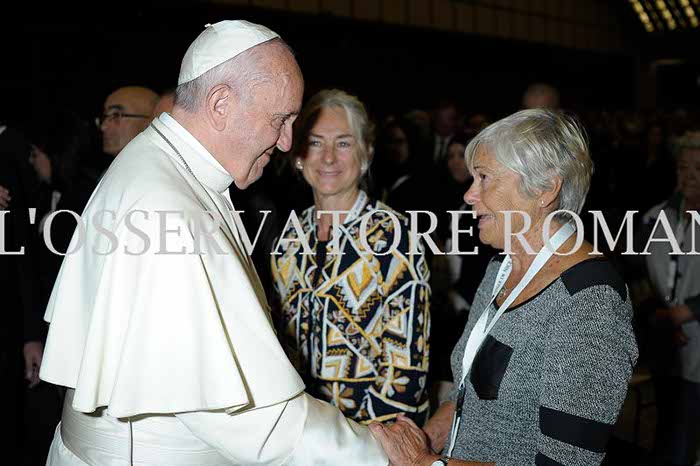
point(116, 117)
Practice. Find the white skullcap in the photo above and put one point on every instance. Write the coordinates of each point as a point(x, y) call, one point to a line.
point(220, 42)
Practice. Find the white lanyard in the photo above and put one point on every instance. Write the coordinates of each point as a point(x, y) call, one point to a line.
point(483, 327)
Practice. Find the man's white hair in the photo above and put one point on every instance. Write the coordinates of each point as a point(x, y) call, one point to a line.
point(242, 73)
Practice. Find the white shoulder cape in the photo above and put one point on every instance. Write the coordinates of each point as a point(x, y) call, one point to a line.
point(155, 332)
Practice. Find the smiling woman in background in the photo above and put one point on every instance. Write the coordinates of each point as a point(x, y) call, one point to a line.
point(356, 324)
point(542, 367)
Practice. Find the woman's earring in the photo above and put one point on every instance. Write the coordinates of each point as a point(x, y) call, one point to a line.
point(300, 166)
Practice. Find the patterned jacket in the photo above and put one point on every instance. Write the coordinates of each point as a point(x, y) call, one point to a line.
point(356, 325)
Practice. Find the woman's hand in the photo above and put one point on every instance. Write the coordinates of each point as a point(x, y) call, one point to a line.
point(404, 443)
point(438, 427)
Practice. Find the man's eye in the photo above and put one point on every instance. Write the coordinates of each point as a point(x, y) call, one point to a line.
point(280, 122)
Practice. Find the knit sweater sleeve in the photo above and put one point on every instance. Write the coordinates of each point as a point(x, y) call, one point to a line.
point(590, 356)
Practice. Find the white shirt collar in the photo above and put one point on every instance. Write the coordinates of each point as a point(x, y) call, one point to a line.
point(205, 168)
point(185, 135)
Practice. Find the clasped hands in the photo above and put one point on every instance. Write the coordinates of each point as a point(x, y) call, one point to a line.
point(404, 442)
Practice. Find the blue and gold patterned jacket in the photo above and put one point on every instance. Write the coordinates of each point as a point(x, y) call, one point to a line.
point(357, 325)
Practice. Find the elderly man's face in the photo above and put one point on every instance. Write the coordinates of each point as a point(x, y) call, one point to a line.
point(689, 175)
point(264, 123)
point(495, 189)
point(127, 112)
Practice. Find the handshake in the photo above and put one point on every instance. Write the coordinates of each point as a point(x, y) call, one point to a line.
point(405, 443)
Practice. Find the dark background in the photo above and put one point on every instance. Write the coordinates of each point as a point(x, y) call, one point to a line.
point(75, 59)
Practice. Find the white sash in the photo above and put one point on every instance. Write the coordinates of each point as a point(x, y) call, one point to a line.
point(483, 327)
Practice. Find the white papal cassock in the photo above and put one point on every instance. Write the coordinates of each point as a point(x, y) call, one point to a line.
point(163, 333)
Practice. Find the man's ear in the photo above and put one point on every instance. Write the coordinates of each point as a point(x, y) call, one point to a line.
point(219, 104)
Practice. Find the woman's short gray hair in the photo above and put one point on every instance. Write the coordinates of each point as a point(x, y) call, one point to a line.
point(538, 145)
point(360, 124)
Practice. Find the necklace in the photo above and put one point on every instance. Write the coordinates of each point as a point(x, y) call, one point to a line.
point(182, 159)
point(503, 292)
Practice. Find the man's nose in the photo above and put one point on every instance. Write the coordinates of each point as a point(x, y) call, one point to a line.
point(284, 143)
point(103, 125)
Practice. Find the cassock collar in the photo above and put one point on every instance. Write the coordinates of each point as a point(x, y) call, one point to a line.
point(205, 167)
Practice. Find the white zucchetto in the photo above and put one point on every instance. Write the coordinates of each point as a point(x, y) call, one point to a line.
point(220, 42)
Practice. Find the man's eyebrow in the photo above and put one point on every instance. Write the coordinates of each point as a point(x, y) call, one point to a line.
point(286, 115)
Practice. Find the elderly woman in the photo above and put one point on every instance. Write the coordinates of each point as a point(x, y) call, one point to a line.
point(354, 319)
point(542, 368)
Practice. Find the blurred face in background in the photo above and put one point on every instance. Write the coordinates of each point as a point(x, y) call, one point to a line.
point(165, 105)
point(127, 112)
point(445, 122)
point(475, 124)
point(397, 146)
point(456, 164)
point(41, 163)
point(331, 165)
point(655, 136)
point(688, 172)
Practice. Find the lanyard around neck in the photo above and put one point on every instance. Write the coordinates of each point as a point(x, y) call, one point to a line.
point(483, 327)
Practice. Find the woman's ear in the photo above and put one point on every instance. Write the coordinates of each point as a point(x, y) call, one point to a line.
point(370, 158)
point(549, 197)
point(219, 104)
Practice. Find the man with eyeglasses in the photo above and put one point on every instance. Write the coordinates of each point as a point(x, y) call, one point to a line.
point(127, 112)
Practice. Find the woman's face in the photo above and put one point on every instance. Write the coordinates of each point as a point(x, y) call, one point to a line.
point(456, 163)
point(688, 172)
point(331, 165)
point(493, 191)
point(41, 163)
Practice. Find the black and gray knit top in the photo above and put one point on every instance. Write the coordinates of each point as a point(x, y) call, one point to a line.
point(548, 383)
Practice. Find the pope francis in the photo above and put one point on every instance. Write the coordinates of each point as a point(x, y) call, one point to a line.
point(159, 327)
